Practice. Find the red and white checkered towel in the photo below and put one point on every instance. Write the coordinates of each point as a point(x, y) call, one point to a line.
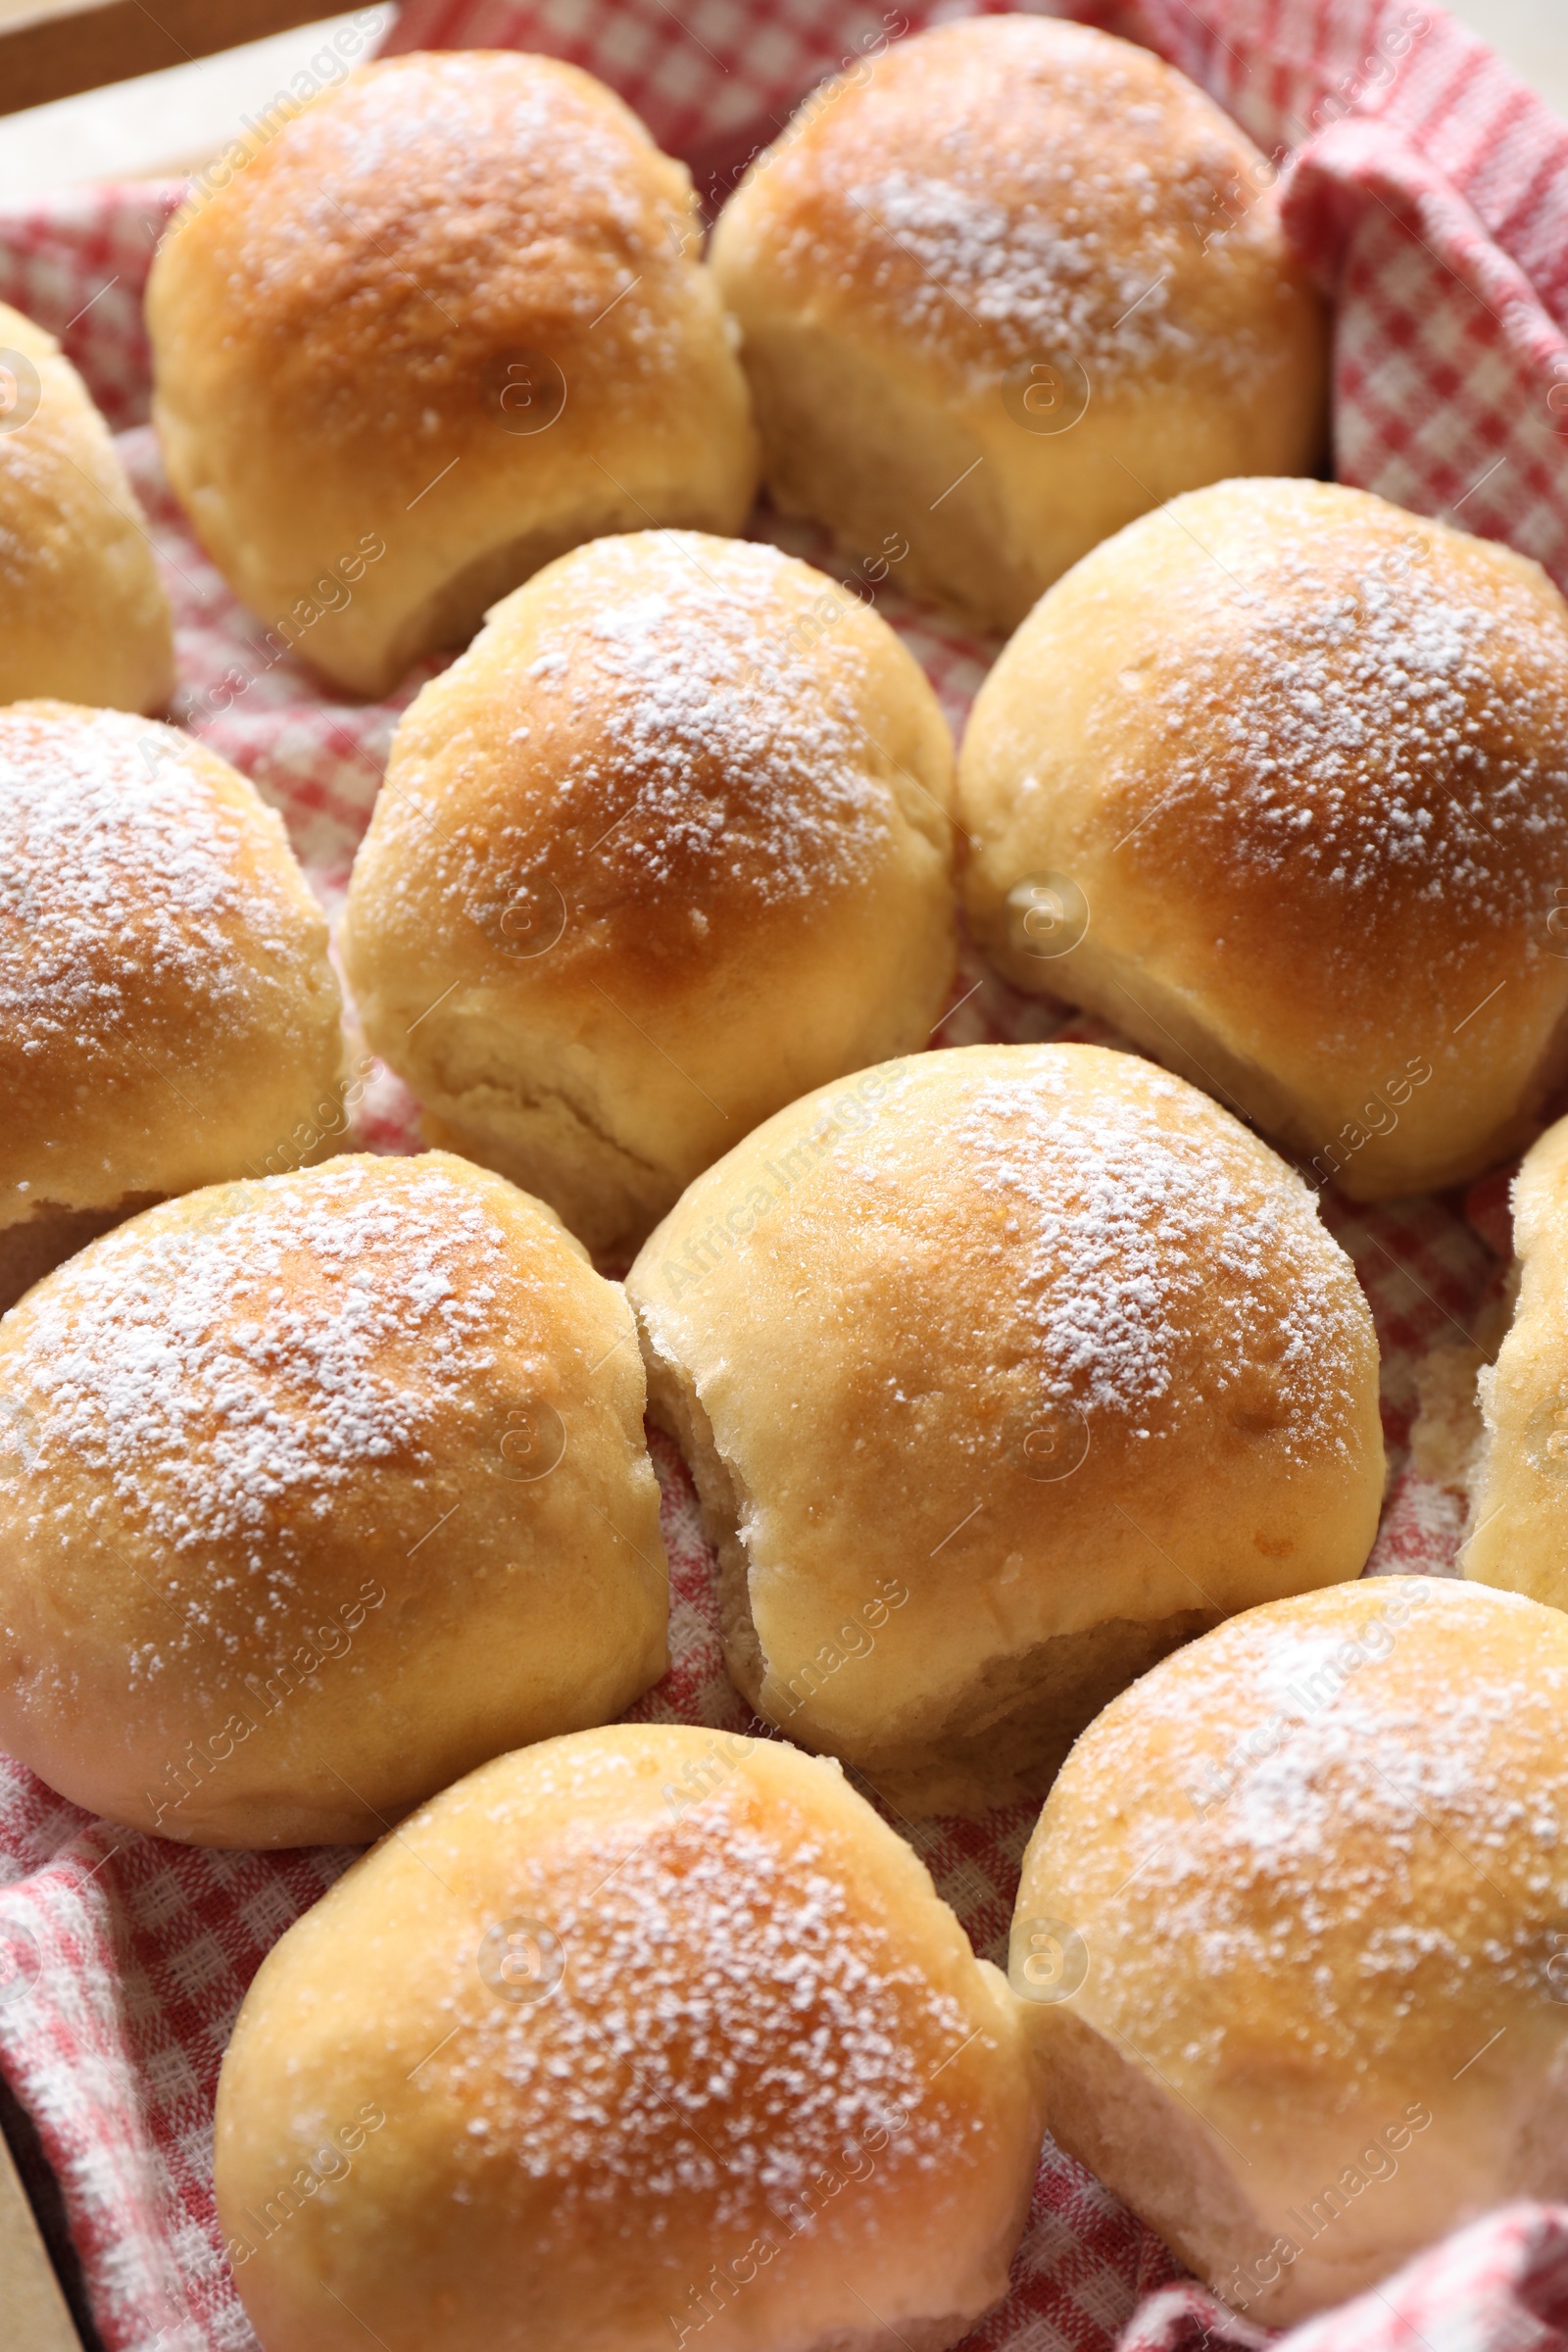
point(1430, 191)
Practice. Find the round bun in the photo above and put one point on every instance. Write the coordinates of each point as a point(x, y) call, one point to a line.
point(442, 326)
point(644, 2030)
point(83, 611)
point(1000, 1371)
point(1519, 1486)
point(316, 1493)
point(171, 1017)
point(1277, 780)
point(1292, 1933)
point(1004, 290)
point(666, 847)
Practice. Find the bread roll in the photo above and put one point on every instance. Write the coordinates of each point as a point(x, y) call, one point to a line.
point(1293, 1932)
point(1277, 781)
point(1519, 1485)
point(1004, 288)
point(1000, 1371)
point(317, 1493)
point(83, 611)
point(649, 2036)
point(170, 1015)
point(448, 322)
point(666, 847)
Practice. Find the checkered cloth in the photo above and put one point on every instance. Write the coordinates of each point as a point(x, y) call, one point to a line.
point(1430, 190)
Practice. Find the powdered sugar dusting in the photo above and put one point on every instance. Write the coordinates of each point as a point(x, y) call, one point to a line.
point(691, 735)
point(121, 873)
point(1007, 190)
point(1129, 1222)
point(442, 120)
point(443, 208)
point(1380, 723)
point(1404, 1813)
point(1044, 281)
point(228, 1366)
point(730, 2019)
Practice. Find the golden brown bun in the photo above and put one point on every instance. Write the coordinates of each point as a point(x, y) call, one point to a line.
point(1000, 1370)
point(1292, 1930)
point(318, 1491)
point(666, 847)
point(83, 611)
point(448, 322)
point(1290, 767)
point(1004, 290)
point(646, 2031)
point(170, 1018)
point(1519, 1488)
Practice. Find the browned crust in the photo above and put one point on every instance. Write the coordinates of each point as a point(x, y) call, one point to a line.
point(1070, 136)
point(460, 299)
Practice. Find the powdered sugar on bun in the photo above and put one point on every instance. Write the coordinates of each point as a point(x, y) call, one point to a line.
point(657, 2018)
point(126, 873)
point(1002, 1370)
point(679, 741)
point(1314, 1870)
point(333, 1485)
point(226, 1370)
point(462, 296)
point(1125, 1220)
point(1305, 756)
point(1372, 706)
point(1005, 188)
point(166, 1008)
point(666, 848)
point(1004, 287)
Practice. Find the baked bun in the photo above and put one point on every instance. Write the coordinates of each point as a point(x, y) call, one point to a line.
point(645, 2031)
point(441, 328)
point(1007, 288)
point(1519, 1485)
point(169, 1015)
point(1277, 781)
point(1291, 1929)
point(318, 1491)
point(83, 611)
point(666, 847)
point(1000, 1371)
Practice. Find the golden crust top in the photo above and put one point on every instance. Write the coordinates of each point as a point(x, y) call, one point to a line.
point(1075, 1344)
point(375, 262)
point(164, 977)
point(1011, 189)
point(1316, 1856)
point(741, 1929)
point(1303, 758)
point(660, 749)
point(323, 1489)
point(1030, 1232)
point(461, 299)
point(652, 1989)
point(229, 1372)
point(1351, 751)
